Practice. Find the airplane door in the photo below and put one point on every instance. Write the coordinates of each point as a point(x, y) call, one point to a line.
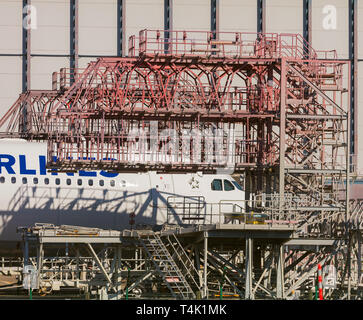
point(163, 183)
point(162, 188)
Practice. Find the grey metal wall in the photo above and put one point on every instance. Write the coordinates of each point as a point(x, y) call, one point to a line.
point(73, 32)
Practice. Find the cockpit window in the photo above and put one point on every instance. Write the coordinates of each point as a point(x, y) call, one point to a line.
point(216, 185)
point(228, 186)
point(237, 185)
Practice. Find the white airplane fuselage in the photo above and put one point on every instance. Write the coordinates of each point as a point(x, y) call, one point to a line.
point(30, 193)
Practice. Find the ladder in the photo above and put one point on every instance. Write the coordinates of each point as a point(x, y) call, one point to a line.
point(166, 266)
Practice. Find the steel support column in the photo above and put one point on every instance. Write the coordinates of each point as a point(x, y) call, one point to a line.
point(205, 267)
point(78, 274)
point(248, 268)
point(307, 21)
point(26, 250)
point(282, 134)
point(40, 255)
point(121, 25)
point(74, 55)
point(349, 263)
point(168, 22)
point(261, 16)
point(26, 45)
point(353, 56)
point(280, 272)
point(248, 184)
point(214, 17)
point(348, 164)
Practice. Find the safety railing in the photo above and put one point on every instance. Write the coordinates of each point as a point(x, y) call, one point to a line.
point(186, 210)
point(192, 210)
point(295, 46)
point(65, 77)
point(197, 43)
point(272, 209)
point(221, 44)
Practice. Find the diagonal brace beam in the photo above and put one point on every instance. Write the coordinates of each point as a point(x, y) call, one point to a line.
point(316, 88)
point(99, 264)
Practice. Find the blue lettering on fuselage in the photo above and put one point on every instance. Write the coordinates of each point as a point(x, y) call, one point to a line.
point(23, 169)
point(42, 165)
point(87, 173)
point(7, 162)
point(10, 161)
point(109, 174)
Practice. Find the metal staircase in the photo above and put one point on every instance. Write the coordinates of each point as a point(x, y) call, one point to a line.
point(183, 261)
point(166, 266)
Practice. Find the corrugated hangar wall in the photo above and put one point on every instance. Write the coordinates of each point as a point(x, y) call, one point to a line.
point(70, 33)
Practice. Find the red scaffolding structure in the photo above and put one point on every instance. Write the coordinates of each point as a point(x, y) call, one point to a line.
point(250, 102)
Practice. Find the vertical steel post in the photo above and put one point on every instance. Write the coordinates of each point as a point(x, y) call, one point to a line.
point(26, 45)
point(282, 137)
point(40, 255)
point(307, 22)
point(349, 253)
point(74, 55)
point(348, 162)
point(247, 184)
point(26, 250)
point(268, 178)
point(121, 25)
point(261, 16)
point(168, 23)
point(66, 259)
point(248, 268)
point(280, 272)
point(205, 267)
point(348, 169)
point(214, 18)
point(77, 265)
point(353, 56)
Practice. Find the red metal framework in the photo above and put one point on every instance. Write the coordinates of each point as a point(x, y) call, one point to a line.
point(245, 102)
point(195, 84)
